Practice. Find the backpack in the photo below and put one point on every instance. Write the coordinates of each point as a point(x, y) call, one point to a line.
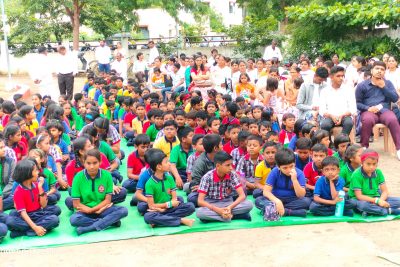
point(270, 213)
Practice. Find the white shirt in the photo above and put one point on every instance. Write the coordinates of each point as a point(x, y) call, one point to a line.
point(307, 75)
point(121, 68)
point(103, 54)
point(218, 76)
point(337, 101)
point(394, 77)
point(177, 78)
point(66, 64)
point(139, 66)
point(270, 53)
point(253, 74)
point(153, 53)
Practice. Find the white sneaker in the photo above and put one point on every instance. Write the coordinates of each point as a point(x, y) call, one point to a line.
point(398, 154)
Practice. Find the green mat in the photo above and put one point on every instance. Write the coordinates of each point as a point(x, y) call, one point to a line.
point(134, 226)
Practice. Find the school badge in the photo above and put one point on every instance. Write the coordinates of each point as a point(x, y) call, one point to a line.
point(101, 188)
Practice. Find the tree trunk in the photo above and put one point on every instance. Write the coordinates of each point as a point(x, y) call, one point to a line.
point(76, 24)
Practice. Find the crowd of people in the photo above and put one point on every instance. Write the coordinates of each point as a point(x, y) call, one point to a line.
point(216, 128)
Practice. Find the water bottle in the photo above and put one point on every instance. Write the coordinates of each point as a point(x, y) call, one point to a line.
point(340, 205)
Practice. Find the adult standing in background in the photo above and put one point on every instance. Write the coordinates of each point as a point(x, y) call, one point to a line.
point(66, 70)
point(153, 53)
point(272, 51)
point(41, 73)
point(103, 55)
point(120, 66)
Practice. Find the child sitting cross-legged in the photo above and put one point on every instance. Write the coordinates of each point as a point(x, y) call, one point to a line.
point(285, 187)
point(353, 161)
point(369, 190)
point(326, 192)
point(264, 168)
point(313, 170)
point(215, 198)
point(341, 142)
point(164, 207)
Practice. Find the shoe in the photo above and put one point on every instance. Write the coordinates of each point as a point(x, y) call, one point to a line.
point(244, 216)
point(395, 212)
point(364, 214)
point(295, 213)
point(398, 154)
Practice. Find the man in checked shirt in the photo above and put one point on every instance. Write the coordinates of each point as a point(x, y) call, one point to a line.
point(215, 193)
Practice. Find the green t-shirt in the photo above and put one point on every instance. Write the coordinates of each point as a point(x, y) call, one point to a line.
point(154, 187)
point(107, 151)
point(65, 137)
point(152, 132)
point(346, 172)
point(341, 160)
point(50, 177)
point(369, 186)
point(77, 120)
point(121, 113)
point(90, 191)
point(179, 157)
point(100, 100)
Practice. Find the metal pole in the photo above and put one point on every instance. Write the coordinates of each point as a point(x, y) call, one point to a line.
point(5, 38)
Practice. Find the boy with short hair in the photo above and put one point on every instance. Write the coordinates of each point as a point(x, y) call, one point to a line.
point(156, 116)
point(164, 207)
point(197, 143)
point(201, 120)
point(205, 163)
point(215, 201)
point(233, 131)
point(241, 150)
point(264, 168)
point(137, 123)
point(253, 127)
point(136, 163)
point(368, 188)
point(285, 187)
point(180, 154)
point(248, 163)
point(313, 170)
point(191, 119)
point(231, 109)
point(303, 148)
point(341, 142)
point(272, 136)
point(326, 192)
point(213, 125)
point(169, 140)
point(55, 130)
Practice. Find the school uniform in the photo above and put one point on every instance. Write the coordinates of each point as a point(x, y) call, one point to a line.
point(152, 132)
point(341, 160)
point(39, 112)
point(50, 181)
point(285, 137)
point(202, 166)
point(160, 191)
point(92, 192)
point(189, 167)
point(228, 147)
point(137, 125)
point(282, 188)
point(136, 164)
point(237, 154)
point(346, 172)
point(261, 173)
point(3, 217)
point(179, 157)
point(201, 130)
point(312, 174)
point(248, 167)
point(166, 145)
point(369, 186)
point(218, 193)
point(27, 199)
point(323, 190)
point(301, 164)
point(230, 121)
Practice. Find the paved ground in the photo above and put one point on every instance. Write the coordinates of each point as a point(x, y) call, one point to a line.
point(340, 244)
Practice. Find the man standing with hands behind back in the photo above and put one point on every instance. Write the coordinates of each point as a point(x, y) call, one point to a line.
point(66, 69)
point(374, 97)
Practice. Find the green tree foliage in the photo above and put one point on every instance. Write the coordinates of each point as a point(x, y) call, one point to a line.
point(344, 28)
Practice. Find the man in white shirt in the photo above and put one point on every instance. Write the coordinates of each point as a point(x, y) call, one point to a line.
point(337, 103)
point(103, 55)
point(153, 53)
point(120, 66)
point(272, 51)
point(66, 70)
point(220, 74)
point(42, 74)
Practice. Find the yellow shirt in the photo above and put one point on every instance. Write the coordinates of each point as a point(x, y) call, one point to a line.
point(92, 92)
point(164, 145)
point(137, 125)
point(34, 126)
point(262, 172)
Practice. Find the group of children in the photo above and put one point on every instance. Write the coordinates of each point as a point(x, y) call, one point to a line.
point(218, 152)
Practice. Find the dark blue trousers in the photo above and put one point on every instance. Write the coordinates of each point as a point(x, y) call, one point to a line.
point(99, 222)
point(8, 202)
point(115, 198)
point(143, 207)
point(170, 217)
point(53, 198)
point(3, 227)
point(47, 218)
point(192, 198)
point(292, 203)
point(329, 210)
point(373, 209)
point(257, 193)
point(130, 185)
